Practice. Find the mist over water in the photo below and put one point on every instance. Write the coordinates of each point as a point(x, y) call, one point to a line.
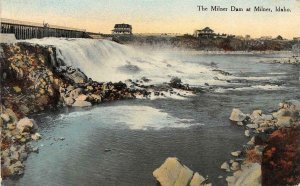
point(104, 60)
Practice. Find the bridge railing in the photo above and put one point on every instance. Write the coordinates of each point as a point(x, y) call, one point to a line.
point(33, 24)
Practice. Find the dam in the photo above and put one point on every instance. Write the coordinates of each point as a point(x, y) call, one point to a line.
point(29, 30)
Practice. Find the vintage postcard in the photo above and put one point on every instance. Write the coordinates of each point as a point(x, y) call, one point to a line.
point(150, 92)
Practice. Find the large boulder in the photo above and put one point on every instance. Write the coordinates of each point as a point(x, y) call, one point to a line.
point(197, 180)
point(173, 173)
point(95, 98)
point(288, 108)
point(5, 117)
point(81, 97)
point(79, 103)
point(68, 101)
point(293, 105)
point(280, 113)
point(256, 114)
point(237, 115)
point(236, 153)
point(175, 82)
point(76, 75)
point(284, 121)
point(267, 117)
point(75, 93)
point(27, 125)
point(13, 117)
point(250, 175)
point(225, 166)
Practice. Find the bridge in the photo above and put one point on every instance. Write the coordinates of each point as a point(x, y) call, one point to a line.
point(29, 30)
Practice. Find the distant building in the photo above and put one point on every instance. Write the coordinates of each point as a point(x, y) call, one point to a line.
point(204, 33)
point(122, 29)
point(209, 33)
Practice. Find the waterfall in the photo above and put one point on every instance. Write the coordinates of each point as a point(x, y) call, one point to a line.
point(104, 60)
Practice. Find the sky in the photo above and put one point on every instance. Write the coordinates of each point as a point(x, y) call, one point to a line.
point(160, 16)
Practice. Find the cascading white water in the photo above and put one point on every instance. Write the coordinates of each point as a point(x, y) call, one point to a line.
point(104, 60)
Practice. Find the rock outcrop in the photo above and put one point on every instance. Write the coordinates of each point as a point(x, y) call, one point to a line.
point(271, 157)
point(15, 134)
point(237, 115)
point(250, 175)
point(281, 158)
point(173, 173)
point(27, 125)
point(33, 79)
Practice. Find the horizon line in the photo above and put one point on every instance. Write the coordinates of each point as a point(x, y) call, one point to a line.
point(26, 22)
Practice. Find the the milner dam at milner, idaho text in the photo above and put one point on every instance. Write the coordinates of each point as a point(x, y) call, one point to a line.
point(203, 8)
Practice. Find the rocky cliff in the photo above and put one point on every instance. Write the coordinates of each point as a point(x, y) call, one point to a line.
point(33, 80)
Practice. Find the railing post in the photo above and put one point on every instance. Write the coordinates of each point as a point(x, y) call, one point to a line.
point(17, 32)
point(22, 32)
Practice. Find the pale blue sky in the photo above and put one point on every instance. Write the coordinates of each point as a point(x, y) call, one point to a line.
point(176, 16)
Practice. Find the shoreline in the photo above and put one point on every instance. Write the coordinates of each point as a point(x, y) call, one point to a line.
point(215, 52)
point(184, 49)
point(40, 82)
point(274, 142)
point(60, 86)
point(269, 158)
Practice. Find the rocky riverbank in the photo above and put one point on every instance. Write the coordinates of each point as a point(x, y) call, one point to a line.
point(271, 157)
point(34, 80)
point(293, 60)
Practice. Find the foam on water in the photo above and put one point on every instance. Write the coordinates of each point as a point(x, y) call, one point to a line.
point(133, 117)
point(250, 88)
point(104, 60)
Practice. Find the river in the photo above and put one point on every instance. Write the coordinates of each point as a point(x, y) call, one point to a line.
point(122, 143)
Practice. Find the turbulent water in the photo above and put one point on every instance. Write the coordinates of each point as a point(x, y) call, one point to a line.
point(121, 143)
point(105, 60)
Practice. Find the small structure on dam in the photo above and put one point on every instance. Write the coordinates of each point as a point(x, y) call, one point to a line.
point(122, 29)
point(29, 30)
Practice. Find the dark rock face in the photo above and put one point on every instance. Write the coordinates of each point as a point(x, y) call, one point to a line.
point(175, 82)
point(274, 146)
point(71, 74)
point(34, 80)
point(29, 84)
point(281, 158)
